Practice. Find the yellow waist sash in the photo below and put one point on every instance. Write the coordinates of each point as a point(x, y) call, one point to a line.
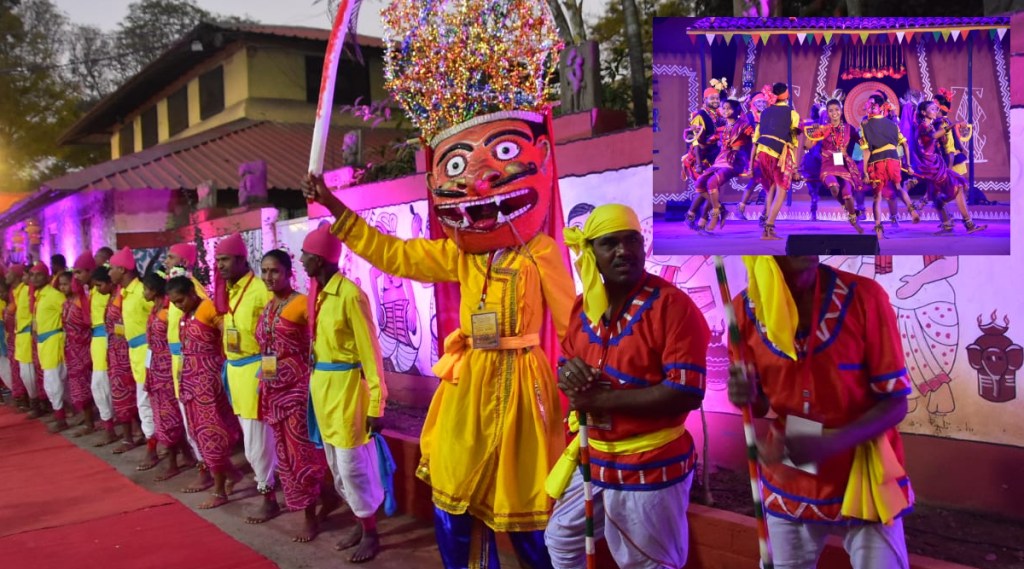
point(885, 148)
point(873, 492)
point(560, 476)
point(456, 344)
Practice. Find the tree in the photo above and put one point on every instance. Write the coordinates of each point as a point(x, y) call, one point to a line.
point(568, 16)
point(89, 52)
point(634, 46)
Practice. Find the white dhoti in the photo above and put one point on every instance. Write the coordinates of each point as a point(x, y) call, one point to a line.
point(644, 529)
point(101, 394)
point(188, 433)
point(28, 378)
point(798, 545)
point(5, 372)
point(356, 474)
point(145, 411)
point(54, 382)
point(260, 451)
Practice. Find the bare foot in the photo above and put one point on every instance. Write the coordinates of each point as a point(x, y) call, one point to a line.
point(233, 479)
point(60, 425)
point(351, 539)
point(202, 482)
point(215, 500)
point(267, 511)
point(310, 528)
point(369, 547)
point(85, 430)
point(170, 472)
point(148, 462)
point(107, 439)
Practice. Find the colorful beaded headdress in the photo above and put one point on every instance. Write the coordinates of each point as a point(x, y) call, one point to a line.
point(453, 64)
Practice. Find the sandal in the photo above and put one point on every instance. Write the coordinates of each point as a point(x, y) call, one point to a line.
point(769, 233)
point(972, 227)
point(852, 217)
point(879, 231)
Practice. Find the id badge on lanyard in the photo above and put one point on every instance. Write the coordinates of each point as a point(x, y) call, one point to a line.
point(233, 340)
point(119, 329)
point(837, 158)
point(484, 329)
point(269, 366)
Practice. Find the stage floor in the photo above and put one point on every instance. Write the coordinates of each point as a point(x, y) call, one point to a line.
point(740, 237)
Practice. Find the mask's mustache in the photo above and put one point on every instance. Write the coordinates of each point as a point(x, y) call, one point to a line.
point(531, 169)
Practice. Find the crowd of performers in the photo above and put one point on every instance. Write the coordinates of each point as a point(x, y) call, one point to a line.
point(150, 359)
point(883, 157)
point(297, 379)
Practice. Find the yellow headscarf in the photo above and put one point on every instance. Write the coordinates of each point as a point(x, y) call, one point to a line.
point(605, 219)
point(773, 303)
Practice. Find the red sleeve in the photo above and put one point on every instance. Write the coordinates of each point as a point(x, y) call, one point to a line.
point(684, 358)
point(883, 350)
point(572, 332)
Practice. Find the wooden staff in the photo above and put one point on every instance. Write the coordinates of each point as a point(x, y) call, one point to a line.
point(748, 421)
point(588, 492)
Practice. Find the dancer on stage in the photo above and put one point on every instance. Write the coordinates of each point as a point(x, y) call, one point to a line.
point(880, 136)
point(210, 416)
point(825, 348)
point(76, 318)
point(170, 428)
point(14, 286)
point(49, 337)
point(945, 184)
point(776, 140)
point(705, 144)
point(954, 144)
point(135, 310)
point(240, 298)
point(119, 366)
point(181, 258)
point(839, 173)
point(347, 390)
point(758, 103)
point(733, 159)
point(635, 361)
point(493, 192)
point(284, 340)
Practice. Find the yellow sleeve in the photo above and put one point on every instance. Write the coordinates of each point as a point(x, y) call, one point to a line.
point(902, 139)
point(357, 310)
point(695, 120)
point(794, 126)
point(425, 260)
point(556, 284)
point(757, 133)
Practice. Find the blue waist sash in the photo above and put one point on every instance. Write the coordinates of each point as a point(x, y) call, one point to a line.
point(175, 348)
point(137, 341)
point(26, 329)
point(311, 424)
point(241, 362)
point(99, 331)
point(47, 335)
point(336, 366)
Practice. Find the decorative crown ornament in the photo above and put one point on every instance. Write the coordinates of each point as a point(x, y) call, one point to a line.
point(452, 64)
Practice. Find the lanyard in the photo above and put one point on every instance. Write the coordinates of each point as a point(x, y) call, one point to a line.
point(838, 145)
point(804, 368)
point(487, 279)
point(232, 309)
point(271, 321)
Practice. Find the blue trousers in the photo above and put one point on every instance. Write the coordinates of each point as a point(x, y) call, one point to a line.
point(465, 541)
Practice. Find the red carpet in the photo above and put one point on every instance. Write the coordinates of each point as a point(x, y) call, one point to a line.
point(61, 505)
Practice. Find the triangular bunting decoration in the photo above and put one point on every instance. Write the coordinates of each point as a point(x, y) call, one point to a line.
point(910, 35)
point(945, 35)
point(892, 36)
point(1001, 32)
point(828, 37)
point(864, 37)
point(711, 38)
point(955, 34)
point(764, 38)
point(728, 38)
point(817, 38)
point(936, 35)
point(802, 37)
point(792, 39)
point(900, 36)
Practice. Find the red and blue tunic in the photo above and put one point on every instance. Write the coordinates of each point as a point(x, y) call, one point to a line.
point(661, 339)
point(855, 360)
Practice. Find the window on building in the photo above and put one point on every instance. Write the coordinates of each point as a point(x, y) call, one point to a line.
point(211, 93)
point(127, 139)
point(150, 134)
point(353, 81)
point(177, 111)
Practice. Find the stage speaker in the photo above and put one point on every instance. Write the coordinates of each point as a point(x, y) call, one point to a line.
point(842, 244)
point(676, 210)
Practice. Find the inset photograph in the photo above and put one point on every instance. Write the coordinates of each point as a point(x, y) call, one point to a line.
point(845, 135)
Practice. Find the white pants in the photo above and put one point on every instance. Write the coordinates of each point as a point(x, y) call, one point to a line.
point(644, 529)
point(188, 433)
point(5, 373)
point(260, 450)
point(145, 411)
point(54, 381)
point(871, 546)
point(101, 394)
point(356, 474)
point(28, 378)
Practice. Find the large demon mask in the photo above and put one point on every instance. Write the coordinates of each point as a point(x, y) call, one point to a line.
point(474, 77)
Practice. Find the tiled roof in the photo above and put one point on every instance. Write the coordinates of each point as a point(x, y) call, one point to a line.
point(753, 24)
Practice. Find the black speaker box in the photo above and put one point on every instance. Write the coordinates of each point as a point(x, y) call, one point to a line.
point(842, 244)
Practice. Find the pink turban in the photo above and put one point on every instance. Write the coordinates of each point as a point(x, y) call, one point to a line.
point(232, 245)
point(123, 259)
point(85, 262)
point(187, 252)
point(711, 91)
point(321, 242)
point(39, 267)
point(17, 269)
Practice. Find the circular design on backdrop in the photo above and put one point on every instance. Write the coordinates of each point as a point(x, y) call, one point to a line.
point(854, 103)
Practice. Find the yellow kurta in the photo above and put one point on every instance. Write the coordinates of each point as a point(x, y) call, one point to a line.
point(494, 428)
point(174, 336)
point(345, 335)
point(98, 346)
point(49, 327)
point(23, 325)
point(246, 300)
point(135, 312)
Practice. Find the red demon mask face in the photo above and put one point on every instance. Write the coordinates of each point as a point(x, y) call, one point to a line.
point(491, 184)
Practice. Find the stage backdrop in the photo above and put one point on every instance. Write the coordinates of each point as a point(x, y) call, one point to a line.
point(820, 65)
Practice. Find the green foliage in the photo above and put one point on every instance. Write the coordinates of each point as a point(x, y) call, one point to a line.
point(393, 159)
